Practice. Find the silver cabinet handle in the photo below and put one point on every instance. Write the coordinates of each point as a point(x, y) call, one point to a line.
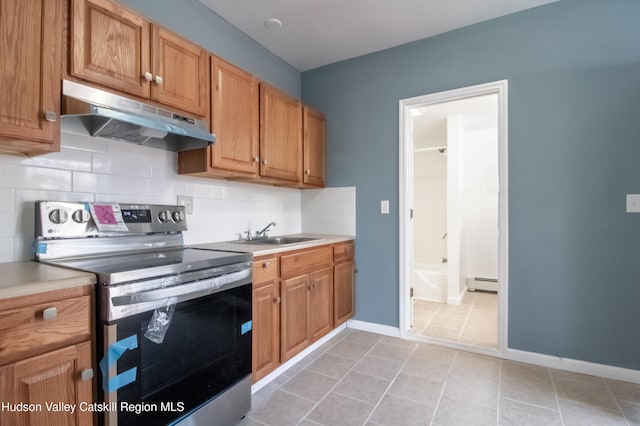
point(256, 159)
point(148, 76)
point(308, 172)
point(86, 374)
point(49, 313)
point(265, 265)
point(51, 116)
point(158, 80)
point(277, 299)
point(264, 162)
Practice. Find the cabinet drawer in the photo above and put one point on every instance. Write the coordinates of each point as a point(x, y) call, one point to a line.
point(305, 261)
point(25, 331)
point(265, 269)
point(343, 252)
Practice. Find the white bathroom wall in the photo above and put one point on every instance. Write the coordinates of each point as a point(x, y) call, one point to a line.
point(480, 211)
point(455, 209)
point(94, 169)
point(329, 211)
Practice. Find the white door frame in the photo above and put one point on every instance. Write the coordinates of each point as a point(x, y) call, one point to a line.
point(406, 200)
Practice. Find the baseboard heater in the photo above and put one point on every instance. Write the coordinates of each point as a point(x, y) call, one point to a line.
point(481, 283)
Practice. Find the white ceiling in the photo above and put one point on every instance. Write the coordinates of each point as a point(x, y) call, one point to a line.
point(320, 32)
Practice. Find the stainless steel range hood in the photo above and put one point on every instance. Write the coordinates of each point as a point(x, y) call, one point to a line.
point(107, 115)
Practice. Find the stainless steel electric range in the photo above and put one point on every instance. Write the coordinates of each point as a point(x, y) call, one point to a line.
point(174, 323)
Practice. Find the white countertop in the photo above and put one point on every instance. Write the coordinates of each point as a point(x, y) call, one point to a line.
point(25, 278)
point(265, 249)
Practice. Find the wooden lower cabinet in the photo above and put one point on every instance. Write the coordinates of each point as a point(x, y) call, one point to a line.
point(344, 292)
point(298, 297)
point(295, 316)
point(52, 378)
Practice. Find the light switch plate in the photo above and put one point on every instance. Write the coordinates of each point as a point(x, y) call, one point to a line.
point(633, 203)
point(384, 206)
point(187, 202)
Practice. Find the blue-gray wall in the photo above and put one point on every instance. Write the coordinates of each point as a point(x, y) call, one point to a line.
point(574, 152)
point(199, 24)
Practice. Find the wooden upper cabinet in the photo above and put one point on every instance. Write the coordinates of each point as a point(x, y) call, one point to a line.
point(235, 122)
point(31, 34)
point(313, 128)
point(117, 48)
point(110, 46)
point(180, 72)
point(280, 135)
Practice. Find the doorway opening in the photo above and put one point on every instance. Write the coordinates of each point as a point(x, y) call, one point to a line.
point(453, 217)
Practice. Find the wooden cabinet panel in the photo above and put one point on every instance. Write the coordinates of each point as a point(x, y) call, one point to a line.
point(265, 269)
point(180, 72)
point(305, 261)
point(31, 33)
point(280, 135)
point(235, 122)
point(320, 303)
point(344, 292)
point(110, 46)
point(266, 329)
point(313, 125)
point(342, 252)
point(294, 325)
point(50, 378)
point(24, 331)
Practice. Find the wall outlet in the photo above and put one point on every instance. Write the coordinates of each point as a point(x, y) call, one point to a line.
point(633, 203)
point(187, 202)
point(384, 206)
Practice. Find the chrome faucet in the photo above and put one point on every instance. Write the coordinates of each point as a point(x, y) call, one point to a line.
point(263, 233)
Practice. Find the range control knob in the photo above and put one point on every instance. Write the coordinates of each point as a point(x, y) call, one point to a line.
point(164, 216)
point(178, 216)
point(81, 216)
point(58, 216)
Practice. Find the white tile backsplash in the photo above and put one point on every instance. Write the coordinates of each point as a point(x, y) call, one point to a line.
point(95, 169)
point(329, 211)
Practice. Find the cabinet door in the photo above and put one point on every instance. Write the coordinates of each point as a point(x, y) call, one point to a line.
point(294, 316)
point(266, 329)
point(321, 303)
point(313, 124)
point(50, 378)
point(31, 33)
point(280, 135)
point(343, 292)
point(180, 73)
point(110, 46)
point(235, 122)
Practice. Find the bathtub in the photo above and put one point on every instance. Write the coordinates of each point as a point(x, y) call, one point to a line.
point(430, 281)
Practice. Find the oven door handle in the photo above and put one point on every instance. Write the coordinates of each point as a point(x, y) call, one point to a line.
point(183, 292)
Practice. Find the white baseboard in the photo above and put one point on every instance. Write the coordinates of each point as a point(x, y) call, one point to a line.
point(293, 361)
point(385, 330)
point(573, 365)
point(576, 366)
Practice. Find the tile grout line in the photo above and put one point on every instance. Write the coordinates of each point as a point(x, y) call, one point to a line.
point(444, 386)
point(339, 380)
point(555, 393)
point(415, 348)
point(606, 385)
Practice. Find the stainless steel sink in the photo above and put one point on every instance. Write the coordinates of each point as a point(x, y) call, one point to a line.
point(279, 241)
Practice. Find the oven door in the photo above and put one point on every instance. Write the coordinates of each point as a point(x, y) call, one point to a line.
point(206, 349)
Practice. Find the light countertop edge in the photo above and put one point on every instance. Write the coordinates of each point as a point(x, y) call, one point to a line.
point(267, 249)
point(30, 277)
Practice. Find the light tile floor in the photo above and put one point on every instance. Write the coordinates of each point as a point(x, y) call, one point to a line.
point(360, 378)
point(474, 321)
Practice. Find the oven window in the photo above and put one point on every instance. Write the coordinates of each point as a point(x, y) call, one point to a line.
point(205, 350)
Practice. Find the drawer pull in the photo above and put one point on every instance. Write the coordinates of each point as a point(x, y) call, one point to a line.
point(277, 299)
point(86, 374)
point(265, 265)
point(49, 313)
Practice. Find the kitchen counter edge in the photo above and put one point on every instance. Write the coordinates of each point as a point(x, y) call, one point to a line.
point(266, 249)
point(30, 277)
